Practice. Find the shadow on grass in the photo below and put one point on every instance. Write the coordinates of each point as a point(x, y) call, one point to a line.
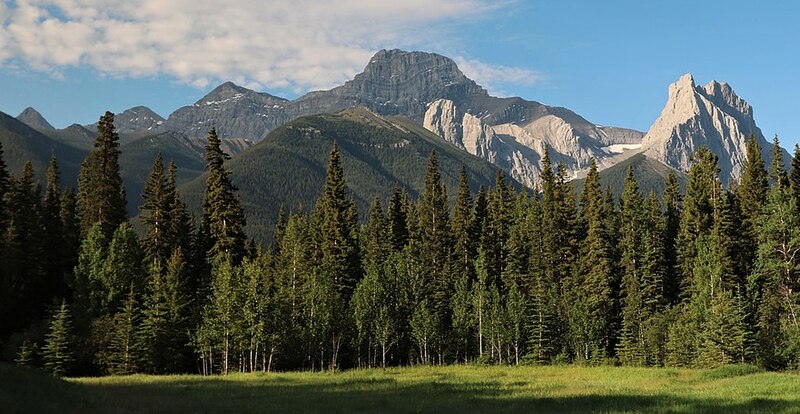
point(337, 394)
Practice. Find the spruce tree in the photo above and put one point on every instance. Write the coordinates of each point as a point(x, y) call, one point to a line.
point(794, 175)
point(154, 215)
point(222, 227)
point(436, 246)
point(123, 349)
point(397, 222)
point(54, 254)
point(630, 349)
point(672, 217)
point(58, 351)
point(775, 278)
point(699, 211)
point(591, 287)
point(101, 196)
point(464, 235)
point(752, 195)
point(777, 170)
point(336, 220)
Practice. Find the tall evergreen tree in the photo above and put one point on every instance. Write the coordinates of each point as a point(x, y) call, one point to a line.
point(777, 170)
point(672, 217)
point(154, 214)
point(336, 220)
point(699, 211)
point(464, 235)
point(101, 196)
point(591, 287)
point(752, 195)
point(123, 349)
point(397, 221)
point(794, 175)
point(222, 227)
point(436, 245)
point(58, 351)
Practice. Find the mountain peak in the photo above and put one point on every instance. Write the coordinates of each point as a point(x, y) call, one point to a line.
point(34, 119)
point(138, 118)
point(712, 116)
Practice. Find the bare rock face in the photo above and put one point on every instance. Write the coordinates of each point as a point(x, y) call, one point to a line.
point(518, 144)
point(234, 111)
point(34, 119)
point(712, 116)
point(137, 119)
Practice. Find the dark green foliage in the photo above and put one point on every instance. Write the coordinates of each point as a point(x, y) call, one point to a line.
point(223, 218)
point(288, 167)
point(698, 212)
point(590, 289)
point(336, 219)
point(57, 352)
point(123, 350)
point(101, 196)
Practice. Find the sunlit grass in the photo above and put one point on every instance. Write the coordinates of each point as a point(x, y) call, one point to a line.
point(457, 389)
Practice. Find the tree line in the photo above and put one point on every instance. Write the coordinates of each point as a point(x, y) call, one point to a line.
point(695, 278)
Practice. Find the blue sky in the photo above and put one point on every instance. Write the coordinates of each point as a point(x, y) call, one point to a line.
point(609, 61)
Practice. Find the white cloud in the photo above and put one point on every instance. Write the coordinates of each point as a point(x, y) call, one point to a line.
point(497, 79)
point(297, 45)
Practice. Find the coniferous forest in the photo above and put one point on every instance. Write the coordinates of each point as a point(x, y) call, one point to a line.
point(696, 278)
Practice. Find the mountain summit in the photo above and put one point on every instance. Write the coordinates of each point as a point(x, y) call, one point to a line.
point(712, 116)
point(34, 119)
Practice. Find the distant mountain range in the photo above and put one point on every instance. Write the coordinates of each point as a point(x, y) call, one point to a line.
point(411, 103)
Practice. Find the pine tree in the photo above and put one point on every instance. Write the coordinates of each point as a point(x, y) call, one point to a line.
point(123, 351)
point(122, 267)
point(775, 279)
point(436, 247)
point(223, 222)
point(180, 229)
point(631, 346)
point(101, 196)
point(777, 170)
point(154, 215)
point(591, 287)
point(699, 211)
point(52, 231)
point(495, 239)
point(464, 234)
point(26, 354)
point(794, 176)
point(57, 352)
point(397, 221)
point(672, 217)
point(87, 286)
point(752, 195)
point(71, 232)
point(336, 220)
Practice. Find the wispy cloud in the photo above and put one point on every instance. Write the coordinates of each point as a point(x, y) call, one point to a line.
point(292, 45)
point(498, 78)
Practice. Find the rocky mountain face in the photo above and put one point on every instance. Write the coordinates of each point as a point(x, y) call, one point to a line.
point(712, 116)
point(234, 111)
point(137, 119)
point(431, 90)
point(34, 119)
point(514, 134)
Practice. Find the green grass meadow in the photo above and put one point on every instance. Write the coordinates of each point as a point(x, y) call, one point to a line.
point(449, 389)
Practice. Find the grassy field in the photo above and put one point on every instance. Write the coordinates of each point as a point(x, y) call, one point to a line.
point(453, 389)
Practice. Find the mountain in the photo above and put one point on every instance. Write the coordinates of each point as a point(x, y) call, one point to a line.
point(514, 133)
point(71, 145)
point(650, 174)
point(431, 90)
point(34, 119)
point(288, 166)
point(136, 119)
point(22, 143)
point(712, 116)
point(235, 112)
